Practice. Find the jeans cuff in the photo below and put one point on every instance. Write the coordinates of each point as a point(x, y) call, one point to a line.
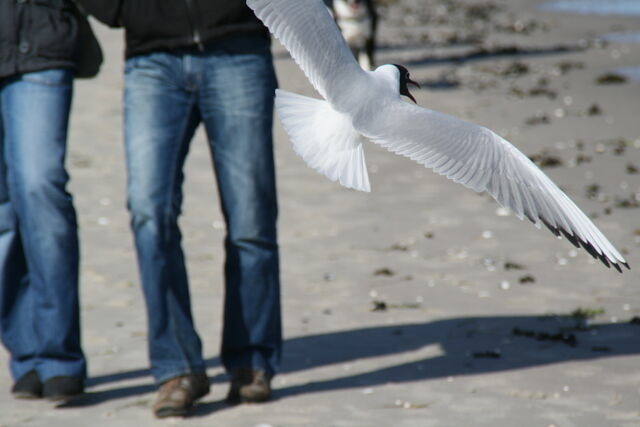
point(167, 375)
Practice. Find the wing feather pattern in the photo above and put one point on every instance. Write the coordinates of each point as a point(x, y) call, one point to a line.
point(481, 160)
point(307, 30)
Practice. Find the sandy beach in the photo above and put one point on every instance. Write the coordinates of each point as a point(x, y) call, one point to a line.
point(421, 303)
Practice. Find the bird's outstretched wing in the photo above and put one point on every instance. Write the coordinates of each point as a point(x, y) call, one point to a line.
point(483, 161)
point(307, 30)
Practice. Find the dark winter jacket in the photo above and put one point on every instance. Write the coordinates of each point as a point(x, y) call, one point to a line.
point(37, 35)
point(153, 25)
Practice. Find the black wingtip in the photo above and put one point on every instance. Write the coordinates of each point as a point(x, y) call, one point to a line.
point(587, 246)
point(618, 264)
point(570, 237)
point(594, 253)
point(530, 218)
point(551, 228)
point(605, 261)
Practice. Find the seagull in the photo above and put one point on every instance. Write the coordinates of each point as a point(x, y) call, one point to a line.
point(362, 105)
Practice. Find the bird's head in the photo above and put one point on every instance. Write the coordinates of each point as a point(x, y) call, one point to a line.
point(405, 80)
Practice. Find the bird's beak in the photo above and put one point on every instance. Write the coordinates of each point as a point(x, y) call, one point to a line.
point(405, 89)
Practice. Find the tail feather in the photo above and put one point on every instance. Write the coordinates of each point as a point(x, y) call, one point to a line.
point(324, 138)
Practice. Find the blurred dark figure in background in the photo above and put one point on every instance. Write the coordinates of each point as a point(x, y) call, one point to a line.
point(358, 22)
point(39, 255)
point(191, 62)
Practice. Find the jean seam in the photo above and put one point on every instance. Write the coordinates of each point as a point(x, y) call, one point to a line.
point(177, 163)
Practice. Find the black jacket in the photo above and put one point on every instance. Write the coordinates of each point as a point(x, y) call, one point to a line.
point(37, 35)
point(153, 25)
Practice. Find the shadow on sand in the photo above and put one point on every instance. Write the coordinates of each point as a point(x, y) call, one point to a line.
point(467, 346)
point(464, 54)
point(481, 53)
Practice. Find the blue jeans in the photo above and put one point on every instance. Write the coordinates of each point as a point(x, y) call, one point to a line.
point(229, 87)
point(39, 312)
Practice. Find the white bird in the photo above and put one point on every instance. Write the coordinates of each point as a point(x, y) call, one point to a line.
point(360, 105)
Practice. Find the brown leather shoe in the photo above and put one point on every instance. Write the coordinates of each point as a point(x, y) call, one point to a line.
point(177, 396)
point(249, 386)
point(28, 386)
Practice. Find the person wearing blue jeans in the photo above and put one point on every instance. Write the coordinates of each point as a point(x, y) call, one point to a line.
point(209, 62)
point(231, 92)
point(39, 255)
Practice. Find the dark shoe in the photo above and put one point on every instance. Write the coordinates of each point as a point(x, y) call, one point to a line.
point(177, 396)
point(249, 386)
point(28, 386)
point(62, 388)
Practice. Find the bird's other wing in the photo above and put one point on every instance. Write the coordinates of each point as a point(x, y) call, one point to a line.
point(481, 160)
point(307, 30)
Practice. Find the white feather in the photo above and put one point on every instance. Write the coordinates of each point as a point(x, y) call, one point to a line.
point(307, 30)
point(324, 138)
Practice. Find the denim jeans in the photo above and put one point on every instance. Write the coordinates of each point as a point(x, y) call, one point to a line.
point(39, 313)
point(229, 87)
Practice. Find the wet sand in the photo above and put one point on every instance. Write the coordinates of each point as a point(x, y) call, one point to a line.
point(421, 303)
